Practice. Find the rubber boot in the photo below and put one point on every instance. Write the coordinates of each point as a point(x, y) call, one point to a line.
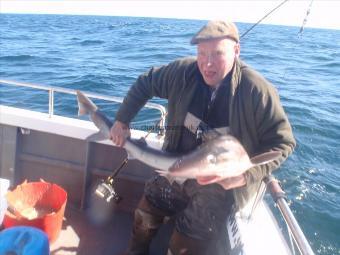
point(181, 244)
point(147, 221)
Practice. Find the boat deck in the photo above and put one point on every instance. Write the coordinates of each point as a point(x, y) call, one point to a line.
point(79, 236)
point(55, 150)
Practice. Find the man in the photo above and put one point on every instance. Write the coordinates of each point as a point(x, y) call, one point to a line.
point(217, 90)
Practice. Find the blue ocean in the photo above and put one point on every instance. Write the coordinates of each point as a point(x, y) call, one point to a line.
point(106, 54)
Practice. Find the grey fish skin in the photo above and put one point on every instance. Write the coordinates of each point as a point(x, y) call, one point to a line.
point(219, 158)
point(136, 149)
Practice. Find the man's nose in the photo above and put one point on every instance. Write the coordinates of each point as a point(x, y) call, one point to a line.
point(209, 60)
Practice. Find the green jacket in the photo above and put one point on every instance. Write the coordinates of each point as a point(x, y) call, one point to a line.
point(256, 116)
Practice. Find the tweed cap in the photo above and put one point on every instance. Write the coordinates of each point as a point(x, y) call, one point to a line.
point(216, 29)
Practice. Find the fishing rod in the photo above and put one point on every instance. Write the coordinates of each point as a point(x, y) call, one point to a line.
point(273, 185)
point(305, 19)
point(105, 189)
point(277, 7)
point(265, 16)
point(103, 196)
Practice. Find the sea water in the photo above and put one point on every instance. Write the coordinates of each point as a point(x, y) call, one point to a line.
point(106, 54)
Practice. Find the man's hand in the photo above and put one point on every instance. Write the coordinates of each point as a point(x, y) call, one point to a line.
point(233, 182)
point(119, 132)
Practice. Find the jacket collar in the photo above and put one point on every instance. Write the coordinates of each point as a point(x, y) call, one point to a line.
point(236, 76)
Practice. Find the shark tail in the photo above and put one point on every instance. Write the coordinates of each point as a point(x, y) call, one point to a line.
point(265, 158)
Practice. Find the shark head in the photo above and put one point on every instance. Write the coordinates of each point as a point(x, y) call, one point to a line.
point(217, 159)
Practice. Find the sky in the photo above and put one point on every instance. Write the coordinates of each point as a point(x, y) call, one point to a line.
point(323, 13)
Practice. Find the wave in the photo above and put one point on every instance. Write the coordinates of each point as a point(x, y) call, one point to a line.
point(181, 35)
point(16, 58)
point(91, 42)
point(332, 66)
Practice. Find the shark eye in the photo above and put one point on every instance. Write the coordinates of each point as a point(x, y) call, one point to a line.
point(211, 159)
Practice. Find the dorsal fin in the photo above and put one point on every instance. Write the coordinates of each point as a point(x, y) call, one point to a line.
point(265, 158)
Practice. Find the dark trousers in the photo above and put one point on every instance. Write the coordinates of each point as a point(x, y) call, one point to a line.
point(200, 212)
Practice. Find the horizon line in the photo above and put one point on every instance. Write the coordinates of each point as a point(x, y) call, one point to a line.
point(157, 17)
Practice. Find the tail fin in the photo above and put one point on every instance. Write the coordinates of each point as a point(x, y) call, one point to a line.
point(85, 105)
point(265, 158)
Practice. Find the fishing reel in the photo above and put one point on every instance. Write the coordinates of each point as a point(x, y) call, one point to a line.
point(105, 190)
point(103, 199)
point(102, 202)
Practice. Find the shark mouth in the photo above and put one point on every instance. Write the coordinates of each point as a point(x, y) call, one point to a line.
point(204, 180)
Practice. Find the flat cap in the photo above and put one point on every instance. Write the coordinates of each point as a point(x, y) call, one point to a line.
point(216, 29)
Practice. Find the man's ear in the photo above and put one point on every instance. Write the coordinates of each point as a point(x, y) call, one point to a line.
point(237, 49)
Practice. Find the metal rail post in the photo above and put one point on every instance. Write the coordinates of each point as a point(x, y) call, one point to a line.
point(280, 199)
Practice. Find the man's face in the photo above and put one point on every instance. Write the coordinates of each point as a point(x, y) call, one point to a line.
point(216, 58)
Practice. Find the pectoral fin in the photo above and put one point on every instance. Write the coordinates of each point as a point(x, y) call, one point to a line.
point(130, 156)
point(170, 178)
point(265, 158)
point(209, 135)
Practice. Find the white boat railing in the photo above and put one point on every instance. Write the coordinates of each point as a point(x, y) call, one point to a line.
point(294, 229)
point(52, 89)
